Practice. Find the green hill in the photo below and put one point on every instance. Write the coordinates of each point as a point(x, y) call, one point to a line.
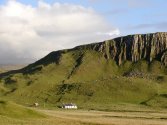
point(126, 70)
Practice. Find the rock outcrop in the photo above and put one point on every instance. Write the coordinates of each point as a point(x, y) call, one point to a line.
point(133, 48)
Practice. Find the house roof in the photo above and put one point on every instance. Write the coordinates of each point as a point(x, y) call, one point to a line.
point(70, 104)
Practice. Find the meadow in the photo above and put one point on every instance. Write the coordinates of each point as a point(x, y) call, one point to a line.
point(90, 117)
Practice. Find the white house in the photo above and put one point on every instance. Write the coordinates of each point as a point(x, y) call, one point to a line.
point(69, 106)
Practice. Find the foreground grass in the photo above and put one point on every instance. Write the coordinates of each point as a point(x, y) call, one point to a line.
point(112, 118)
point(44, 121)
point(10, 109)
point(84, 117)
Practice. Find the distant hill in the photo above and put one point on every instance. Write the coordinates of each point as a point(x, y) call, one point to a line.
point(125, 70)
point(8, 67)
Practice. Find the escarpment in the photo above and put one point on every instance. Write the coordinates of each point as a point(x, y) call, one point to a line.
point(131, 48)
point(134, 48)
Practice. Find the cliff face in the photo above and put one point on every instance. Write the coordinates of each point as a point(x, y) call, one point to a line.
point(88, 74)
point(134, 48)
point(128, 48)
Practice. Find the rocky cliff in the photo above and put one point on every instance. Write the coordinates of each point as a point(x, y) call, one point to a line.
point(133, 48)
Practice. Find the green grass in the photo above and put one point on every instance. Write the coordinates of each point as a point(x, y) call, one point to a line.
point(157, 101)
point(12, 110)
point(87, 78)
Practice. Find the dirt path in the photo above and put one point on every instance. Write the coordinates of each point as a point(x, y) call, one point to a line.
point(110, 118)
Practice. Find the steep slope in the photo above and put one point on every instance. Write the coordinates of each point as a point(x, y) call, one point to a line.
point(130, 69)
point(132, 48)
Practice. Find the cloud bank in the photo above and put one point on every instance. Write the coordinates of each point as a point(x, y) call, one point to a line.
point(28, 33)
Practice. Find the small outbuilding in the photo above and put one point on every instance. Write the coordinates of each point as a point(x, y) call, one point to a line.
point(69, 106)
point(36, 104)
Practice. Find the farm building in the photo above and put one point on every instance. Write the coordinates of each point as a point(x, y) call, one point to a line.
point(69, 106)
point(36, 104)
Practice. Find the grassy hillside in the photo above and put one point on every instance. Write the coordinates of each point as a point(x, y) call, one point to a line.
point(126, 71)
point(88, 79)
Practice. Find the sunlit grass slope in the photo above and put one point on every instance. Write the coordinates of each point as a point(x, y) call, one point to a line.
point(10, 109)
point(87, 78)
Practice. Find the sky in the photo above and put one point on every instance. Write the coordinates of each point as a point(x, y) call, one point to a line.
point(30, 29)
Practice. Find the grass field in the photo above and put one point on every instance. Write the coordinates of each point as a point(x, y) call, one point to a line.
point(120, 114)
point(112, 118)
point(85, 117)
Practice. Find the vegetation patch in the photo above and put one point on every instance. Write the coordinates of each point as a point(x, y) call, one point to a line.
point(13, 110)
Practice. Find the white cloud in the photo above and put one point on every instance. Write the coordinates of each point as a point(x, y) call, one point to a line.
point(115, 32)
point(28, 32)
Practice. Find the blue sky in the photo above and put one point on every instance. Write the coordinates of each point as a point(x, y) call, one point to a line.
point(130, 16)
point(30, 29)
